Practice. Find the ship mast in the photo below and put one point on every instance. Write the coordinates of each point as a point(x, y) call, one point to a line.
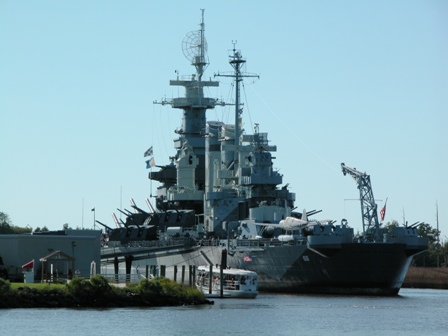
point(237, 61)
point(183, 180)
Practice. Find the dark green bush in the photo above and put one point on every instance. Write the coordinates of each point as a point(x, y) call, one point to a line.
point(100, 285)
point(79, 287)
point(161, 288)
point(5, 286)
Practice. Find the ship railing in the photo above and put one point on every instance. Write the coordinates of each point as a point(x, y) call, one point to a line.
point(211, 242)
point(185, 242)
point(123, 278)
point(260, 243)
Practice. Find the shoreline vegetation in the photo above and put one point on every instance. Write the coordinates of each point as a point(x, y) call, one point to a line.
point(98, 293)
point(158, 292)
point(426, 277)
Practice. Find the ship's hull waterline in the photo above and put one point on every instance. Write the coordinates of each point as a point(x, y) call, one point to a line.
point(359, 269)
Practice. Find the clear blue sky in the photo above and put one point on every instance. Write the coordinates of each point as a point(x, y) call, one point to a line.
point(360, 82)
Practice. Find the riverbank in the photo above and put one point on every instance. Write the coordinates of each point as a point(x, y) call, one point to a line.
point(158, 292)
point(426, 277)
point(98, 293)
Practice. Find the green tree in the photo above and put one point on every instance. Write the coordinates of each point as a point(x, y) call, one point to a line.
point(38, 229)
point(5, 223)
point(6, 226)
point(431, 257)
point(390, 225)
point(444, 254)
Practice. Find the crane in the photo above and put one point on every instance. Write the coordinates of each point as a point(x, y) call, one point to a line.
point(368, 206)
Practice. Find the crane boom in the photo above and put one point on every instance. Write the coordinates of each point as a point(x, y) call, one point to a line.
point(368, 206)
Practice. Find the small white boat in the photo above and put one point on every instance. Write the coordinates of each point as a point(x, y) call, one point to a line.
point(237, 283)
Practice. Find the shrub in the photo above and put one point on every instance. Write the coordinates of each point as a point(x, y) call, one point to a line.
point(149, 287)
point(162, 290)
point(100, 284)
point(79, 287)
point(5, 286)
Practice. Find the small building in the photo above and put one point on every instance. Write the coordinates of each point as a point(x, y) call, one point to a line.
point(56, 254)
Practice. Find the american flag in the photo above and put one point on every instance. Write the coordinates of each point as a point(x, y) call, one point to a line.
point(247, 259)
point(383, 211)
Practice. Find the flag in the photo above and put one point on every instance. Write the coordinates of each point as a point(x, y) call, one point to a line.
point(93, 209)
point(148, 152)
point(150, 163)
point(247, 259)
point(383, 211)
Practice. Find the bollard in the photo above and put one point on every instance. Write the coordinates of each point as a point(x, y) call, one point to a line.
point(190, 274)
point(128, 262)
point(116, 269)
point(210, 281)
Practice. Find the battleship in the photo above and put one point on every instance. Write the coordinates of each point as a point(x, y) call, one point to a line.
point(220, 202)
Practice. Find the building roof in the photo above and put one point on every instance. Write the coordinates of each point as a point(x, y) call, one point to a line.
point(56, 255)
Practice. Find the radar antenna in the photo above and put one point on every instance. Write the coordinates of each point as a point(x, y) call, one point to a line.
point(194, 47)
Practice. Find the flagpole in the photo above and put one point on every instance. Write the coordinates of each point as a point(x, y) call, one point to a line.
point(82, 214)
point(149, 164)
point(94, 225)
point(150, 184)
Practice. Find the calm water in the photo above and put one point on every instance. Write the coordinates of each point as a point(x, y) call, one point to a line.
point(414, 312)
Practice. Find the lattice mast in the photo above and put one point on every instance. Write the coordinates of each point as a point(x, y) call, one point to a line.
point(369, 211)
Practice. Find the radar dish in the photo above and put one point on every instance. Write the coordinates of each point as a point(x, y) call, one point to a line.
point(193, 46)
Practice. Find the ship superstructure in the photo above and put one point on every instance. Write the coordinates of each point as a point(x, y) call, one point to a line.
point(219, 171)
point(183, 180)
point(220, 192)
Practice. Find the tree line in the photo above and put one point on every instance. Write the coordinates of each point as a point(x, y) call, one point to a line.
point(437, 253)
point(6, 226)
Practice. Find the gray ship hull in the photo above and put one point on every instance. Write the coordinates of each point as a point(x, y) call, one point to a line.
point(353, 268)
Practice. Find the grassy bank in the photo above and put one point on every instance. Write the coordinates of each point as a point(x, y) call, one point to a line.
point(426, 277)
point(37, 285)
point(97, 292)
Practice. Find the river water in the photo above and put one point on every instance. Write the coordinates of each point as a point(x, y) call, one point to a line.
point(413, 312)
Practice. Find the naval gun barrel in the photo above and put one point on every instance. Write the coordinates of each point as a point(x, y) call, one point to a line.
point(312, 212)
point(107, 227)
point(139, 210)
point(412, 226)
point(124, 213)
point(128, 216)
